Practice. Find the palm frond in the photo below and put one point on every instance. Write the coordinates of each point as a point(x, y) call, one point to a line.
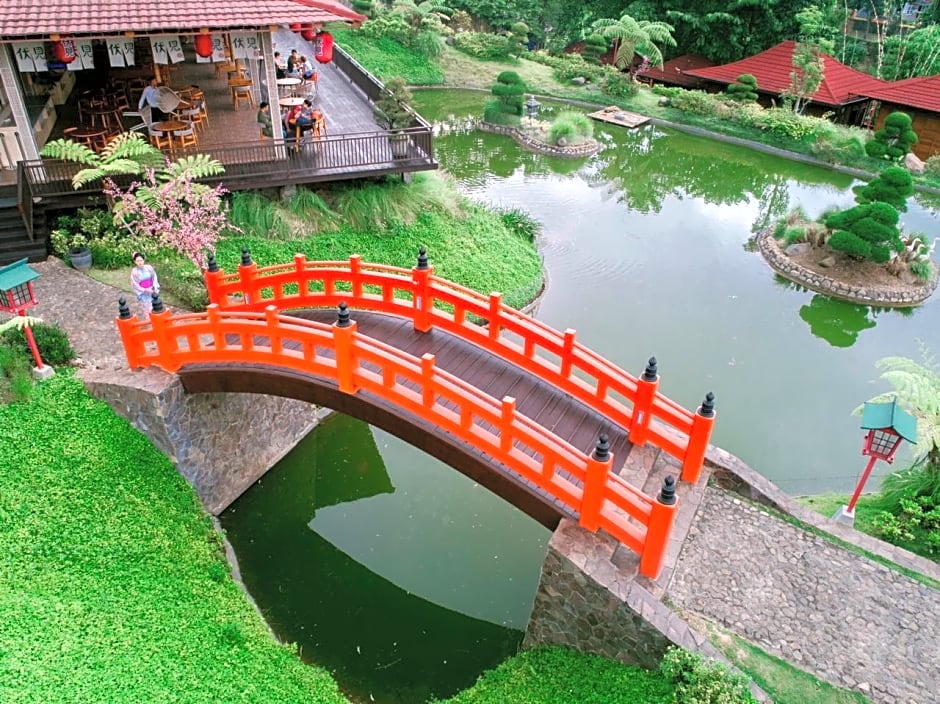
point(68, 150)
point(132, 146)
point(194, 166)
point(87, 176)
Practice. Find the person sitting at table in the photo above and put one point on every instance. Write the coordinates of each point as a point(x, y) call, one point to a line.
point(280, 66)
point(264, 119)
point(292, 62)
point(151, 97)
point(304, 69)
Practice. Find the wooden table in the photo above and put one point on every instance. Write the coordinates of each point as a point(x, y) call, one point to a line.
point(290, 102)
point(236, 83)
point(93, 137)
point(168, 127)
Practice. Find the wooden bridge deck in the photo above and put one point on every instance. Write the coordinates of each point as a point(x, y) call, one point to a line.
point(552, 408)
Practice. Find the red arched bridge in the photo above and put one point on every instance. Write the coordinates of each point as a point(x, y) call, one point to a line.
point(460, 374)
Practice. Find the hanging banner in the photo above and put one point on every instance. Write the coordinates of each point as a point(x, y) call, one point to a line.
point(30, 56)
point(86, 55)
point(245, 45)
point(167, 50)
point(120, 52)
point(218, 49)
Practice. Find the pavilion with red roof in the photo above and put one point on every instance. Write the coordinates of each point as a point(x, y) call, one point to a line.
point(842, 90)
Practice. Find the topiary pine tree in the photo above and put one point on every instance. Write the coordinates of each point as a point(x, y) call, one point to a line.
point(867, 231)
point(509, 89)
point(894, 139)
point(744, 89)
point(595, 46)
point(893, 185)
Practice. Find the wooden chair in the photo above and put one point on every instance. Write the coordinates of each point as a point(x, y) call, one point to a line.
point(194, 115)
point(161, 140)
point(187, 138)
point(240, 93)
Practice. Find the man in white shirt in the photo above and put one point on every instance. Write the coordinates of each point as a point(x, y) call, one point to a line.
point(151, 97)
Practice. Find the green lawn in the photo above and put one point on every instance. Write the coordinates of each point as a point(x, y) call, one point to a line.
point(113, 584)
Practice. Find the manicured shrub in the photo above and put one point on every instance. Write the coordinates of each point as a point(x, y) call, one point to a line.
point(894, 185)
point(894, 139)
point(867, 231)
point(595, 46)
point(509, 90)
point(482, 45)
point(700, 681)
point(54, 346)
point(744, 89)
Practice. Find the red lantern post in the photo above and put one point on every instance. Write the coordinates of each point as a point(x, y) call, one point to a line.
point(887, 425)
point(16, 296)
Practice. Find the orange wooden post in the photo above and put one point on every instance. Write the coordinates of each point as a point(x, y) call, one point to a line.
point(421, 302)
point(166, 344)
point(567, 349)
point(659, 529)
point(699, 438)
point(505, 428)
point(247, 272)
point(427, 379)
point(213, 276)
point(355, 269)
point(595, 484)
point(300, 266)
point(646, 388)
point(344, 331)
point(496, 300)
point(274, 334)
point(127, 326)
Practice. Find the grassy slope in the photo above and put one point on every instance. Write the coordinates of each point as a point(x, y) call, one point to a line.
point(113, 587)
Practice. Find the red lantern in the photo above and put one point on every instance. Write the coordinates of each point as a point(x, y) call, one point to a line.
point(64, 51)
point(295, 27)
point(323, 48)
point(203, 45)
point(308, 32)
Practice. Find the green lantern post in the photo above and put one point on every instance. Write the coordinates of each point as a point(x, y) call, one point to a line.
point(887, 425)
point(16, 296)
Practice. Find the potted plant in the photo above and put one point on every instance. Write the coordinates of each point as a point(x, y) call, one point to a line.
point(393, 112)
point(73, 245)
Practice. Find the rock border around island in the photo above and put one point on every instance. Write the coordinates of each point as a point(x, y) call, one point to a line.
point(799, 274)
point(571, 151)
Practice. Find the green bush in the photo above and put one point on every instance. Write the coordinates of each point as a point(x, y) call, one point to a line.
point(744, 89)
point(922, 269)
point(519, 221)
point(894, 185)
point(509, 89)
point(16, 381)
point(932, 165)
point(700, 681)
point(571, 126)
point(493, 113)
point(177, 274)
point(595, 46)
point(794, 234)
point(482, 45)
point(54, 346)
point(618, 84)
point(894, 139)
point(571, 66)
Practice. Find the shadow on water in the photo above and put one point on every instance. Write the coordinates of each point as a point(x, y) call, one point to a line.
point(382, 642)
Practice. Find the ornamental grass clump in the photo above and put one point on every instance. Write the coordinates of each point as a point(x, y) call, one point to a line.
point(570, 128)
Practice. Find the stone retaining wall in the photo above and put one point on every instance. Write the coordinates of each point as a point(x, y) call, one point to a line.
point(786, 267)
point(588, 148)
point(220, 442)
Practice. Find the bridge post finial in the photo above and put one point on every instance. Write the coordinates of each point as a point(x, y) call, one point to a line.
point(667, 495)
point(342, 315)
point(650, 373)
point(211, 264)
point(157, 302)
point(707, 409)
point(422, 258)
point(246, 257)
point(602, 450)
point(124, 310)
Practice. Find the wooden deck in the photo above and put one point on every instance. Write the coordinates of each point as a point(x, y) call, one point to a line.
point(555, 410)
point(619, 116)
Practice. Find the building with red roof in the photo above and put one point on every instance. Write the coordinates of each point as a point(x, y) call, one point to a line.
point(919, 98)
point(842, 88)
point(675, 72)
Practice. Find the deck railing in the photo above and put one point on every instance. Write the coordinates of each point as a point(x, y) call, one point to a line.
point(584, 483)
point(634, 404)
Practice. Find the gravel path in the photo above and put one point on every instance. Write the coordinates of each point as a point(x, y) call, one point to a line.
point(848, 620)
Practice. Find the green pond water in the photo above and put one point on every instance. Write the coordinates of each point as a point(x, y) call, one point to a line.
point(405, 578)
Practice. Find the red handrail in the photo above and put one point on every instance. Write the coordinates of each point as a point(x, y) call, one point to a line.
point(432, 302)
point(583, 483)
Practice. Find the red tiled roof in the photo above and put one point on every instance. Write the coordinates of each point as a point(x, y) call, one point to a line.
point(772, 68)
point(20, 19)
point(674, 70)
point(922, 92)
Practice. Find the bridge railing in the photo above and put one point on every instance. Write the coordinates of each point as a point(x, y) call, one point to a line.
point(432, 302)
point(583, 483)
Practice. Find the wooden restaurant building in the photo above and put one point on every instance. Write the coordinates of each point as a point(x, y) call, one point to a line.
point(77, 70)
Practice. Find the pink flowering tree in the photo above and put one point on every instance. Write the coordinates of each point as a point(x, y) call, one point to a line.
point(169, 208)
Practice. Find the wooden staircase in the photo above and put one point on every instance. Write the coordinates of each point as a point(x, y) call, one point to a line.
point(14, 239)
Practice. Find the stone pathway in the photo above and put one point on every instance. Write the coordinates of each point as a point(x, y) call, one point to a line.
point(846, 619)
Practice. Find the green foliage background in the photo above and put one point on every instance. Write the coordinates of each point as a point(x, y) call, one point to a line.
point(113, 585)
point(386, 58)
